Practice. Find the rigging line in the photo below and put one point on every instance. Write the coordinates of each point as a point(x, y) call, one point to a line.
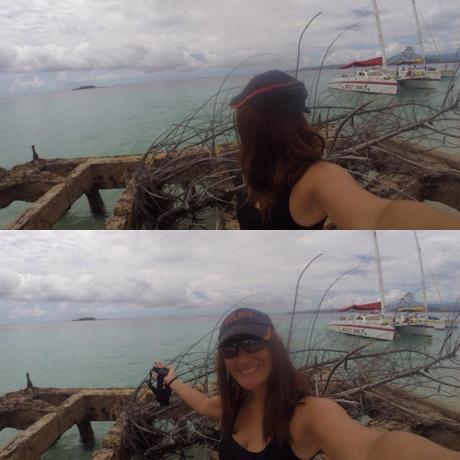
point(432, 278)
point(431, 35)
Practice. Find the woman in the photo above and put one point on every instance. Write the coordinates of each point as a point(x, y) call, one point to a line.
point(266, 410)
point(288, 186)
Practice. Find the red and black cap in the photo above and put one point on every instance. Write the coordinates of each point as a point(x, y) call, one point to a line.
point(245, 321)
point(273, 90)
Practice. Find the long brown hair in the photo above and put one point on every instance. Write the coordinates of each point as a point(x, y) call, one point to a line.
point(285, 387)
point(276, 148)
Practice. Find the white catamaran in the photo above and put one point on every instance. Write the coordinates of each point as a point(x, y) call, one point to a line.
point(376, 78)
point(369, 321)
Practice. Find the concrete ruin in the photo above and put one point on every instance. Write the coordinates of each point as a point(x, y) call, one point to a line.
point(52, 186)
point(45, 414)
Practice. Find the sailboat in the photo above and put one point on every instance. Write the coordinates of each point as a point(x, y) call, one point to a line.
point(419, 77)
point(369, 320)
point(410, 318)
point(416, 321)
point(436, 323)
point(376, 79)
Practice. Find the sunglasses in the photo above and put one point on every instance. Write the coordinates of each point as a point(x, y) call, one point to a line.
point(247, 345)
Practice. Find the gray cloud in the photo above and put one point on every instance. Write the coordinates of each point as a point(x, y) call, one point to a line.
point(151, 36)
point(124, 274)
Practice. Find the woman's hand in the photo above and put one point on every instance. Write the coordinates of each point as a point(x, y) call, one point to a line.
point(198, 401)
point(170, 375)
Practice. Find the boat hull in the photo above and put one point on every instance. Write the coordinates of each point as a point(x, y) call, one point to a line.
point(424, 83)
point(415, 329)
point(437, 323)
point(362, 330)
point(447, 73)
point(372, 87)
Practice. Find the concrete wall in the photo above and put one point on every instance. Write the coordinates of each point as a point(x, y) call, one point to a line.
point(82, 406)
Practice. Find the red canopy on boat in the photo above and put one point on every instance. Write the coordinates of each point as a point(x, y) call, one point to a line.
point(369, 63)
point(365, 307)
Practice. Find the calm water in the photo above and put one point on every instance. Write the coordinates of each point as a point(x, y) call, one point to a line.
point(119, 120)
point(117, 353)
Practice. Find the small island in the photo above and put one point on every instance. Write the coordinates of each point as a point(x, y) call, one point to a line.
point(86, 87)
point(87, 318)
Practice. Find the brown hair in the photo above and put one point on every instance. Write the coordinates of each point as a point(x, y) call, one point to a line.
point(276, 148)
point(286, 386)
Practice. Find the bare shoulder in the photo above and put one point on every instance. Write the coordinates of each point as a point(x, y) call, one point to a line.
point(314, 411)
point(337, 194)
point(323, 167)
point(321, 173)
point(313, 408)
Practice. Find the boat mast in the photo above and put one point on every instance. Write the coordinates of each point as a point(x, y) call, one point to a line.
point(381, 37)
point(419, 32)
point(422, 272)
point(379, 271)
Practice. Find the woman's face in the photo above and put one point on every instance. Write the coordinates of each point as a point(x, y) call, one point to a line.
point(250, 369)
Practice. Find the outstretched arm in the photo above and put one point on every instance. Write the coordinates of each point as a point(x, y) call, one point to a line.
point(197, 400)
point(331, 188)
point(408, 446)
point(342, 438)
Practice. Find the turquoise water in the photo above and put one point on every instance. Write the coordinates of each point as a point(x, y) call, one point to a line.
point(123, 119)
point(116, 353)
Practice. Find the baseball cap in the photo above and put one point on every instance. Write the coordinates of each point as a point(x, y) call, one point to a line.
point(245, 321)
point(273, 90)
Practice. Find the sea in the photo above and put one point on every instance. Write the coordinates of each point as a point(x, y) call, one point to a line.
point(126, 120)
point(120, 352)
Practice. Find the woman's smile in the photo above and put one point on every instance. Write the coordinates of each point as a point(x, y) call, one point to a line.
point(250, 369)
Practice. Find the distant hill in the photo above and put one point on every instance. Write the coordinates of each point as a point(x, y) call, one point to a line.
point(445, 57)
point(450, 57)
point(445, 307)
point(409, 54)
point(432, 307)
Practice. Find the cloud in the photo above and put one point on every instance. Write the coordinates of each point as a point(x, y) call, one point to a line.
point(87, 56)
point(27, 313)
point(24, 83)
point(184, 35)
point(123, 273)
point(9, 281)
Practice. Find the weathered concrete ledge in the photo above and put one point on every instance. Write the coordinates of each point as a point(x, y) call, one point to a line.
point(45, 414)
point(54, 185)
point(401, 171)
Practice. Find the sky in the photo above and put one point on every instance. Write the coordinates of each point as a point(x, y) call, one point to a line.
point(49, 45)
point(64, 275)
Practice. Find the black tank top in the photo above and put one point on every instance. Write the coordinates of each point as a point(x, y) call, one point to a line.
point(229, 449)
point(250, 217)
